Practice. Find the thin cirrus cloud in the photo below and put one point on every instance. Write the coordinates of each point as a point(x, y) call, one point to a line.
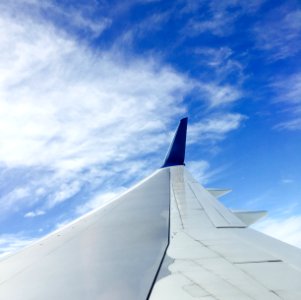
point(11, 242)
point(215, 128)
point(202, 171)
point(98, 200)
point(288, 98)
point(223, 15)
point(32, 214)
point(218, 95)
point(278, 33)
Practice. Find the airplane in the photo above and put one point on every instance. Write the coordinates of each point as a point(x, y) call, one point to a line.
point(167, 237)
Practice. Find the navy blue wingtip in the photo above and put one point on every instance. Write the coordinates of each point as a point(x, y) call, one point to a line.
point(176, 153)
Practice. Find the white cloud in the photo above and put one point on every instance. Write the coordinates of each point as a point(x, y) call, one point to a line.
point(65, 107)
point(218, 95)
point(279, 33)
point(71, 115)
point(65, 192)
point(223, 65)
point(294, 124)
point(203, 172)
point(217, 56)
point(215, 127)
point(36, 213)
point(287, 180)
point(10, 243)
point(66, 110)
point(98, 200)
point(226, 76)
point(289, 89)
point(287, 230)
point(78, 17)
point(199, 170)
point(216, 26)
point(220, 17)
point(95, 27)
point(14, 199)
point(288, 95)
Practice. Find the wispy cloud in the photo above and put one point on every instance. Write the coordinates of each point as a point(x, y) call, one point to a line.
point(98, 200)
point(36, 213)
point(202, 171)
point(199, 169)
point(287, 230)
point(288, 96)
point(13, 200)
point(65, 191)
point(10, 243)
point(222, 63)
point(82, 18)
point(219, 94)
point(289, 88)
point(214, 128)
point(294, 124)
point(220, 16)
point(287, 180)
point(67, 112)
point(279, 33)
point(217, 25)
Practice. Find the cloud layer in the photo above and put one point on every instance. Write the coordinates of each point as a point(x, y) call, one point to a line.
point(62, 104)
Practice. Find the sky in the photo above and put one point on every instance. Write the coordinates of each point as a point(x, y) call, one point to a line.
point(92, 91)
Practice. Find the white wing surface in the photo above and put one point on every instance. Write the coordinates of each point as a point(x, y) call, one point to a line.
point(166, 238)
point(213, 255)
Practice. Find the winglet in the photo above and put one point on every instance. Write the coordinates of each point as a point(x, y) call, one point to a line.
point(176, 153)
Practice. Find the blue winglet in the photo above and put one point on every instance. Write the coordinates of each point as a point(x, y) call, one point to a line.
point(176, 153)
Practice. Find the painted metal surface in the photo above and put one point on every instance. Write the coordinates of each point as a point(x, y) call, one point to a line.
point(219, 215)
point(205, 261)
point(176, 153)
point(113, 253)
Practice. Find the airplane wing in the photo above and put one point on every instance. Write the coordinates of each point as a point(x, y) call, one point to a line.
point(166, 238)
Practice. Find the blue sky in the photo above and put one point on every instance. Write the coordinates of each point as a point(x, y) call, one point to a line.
point(91, 92)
